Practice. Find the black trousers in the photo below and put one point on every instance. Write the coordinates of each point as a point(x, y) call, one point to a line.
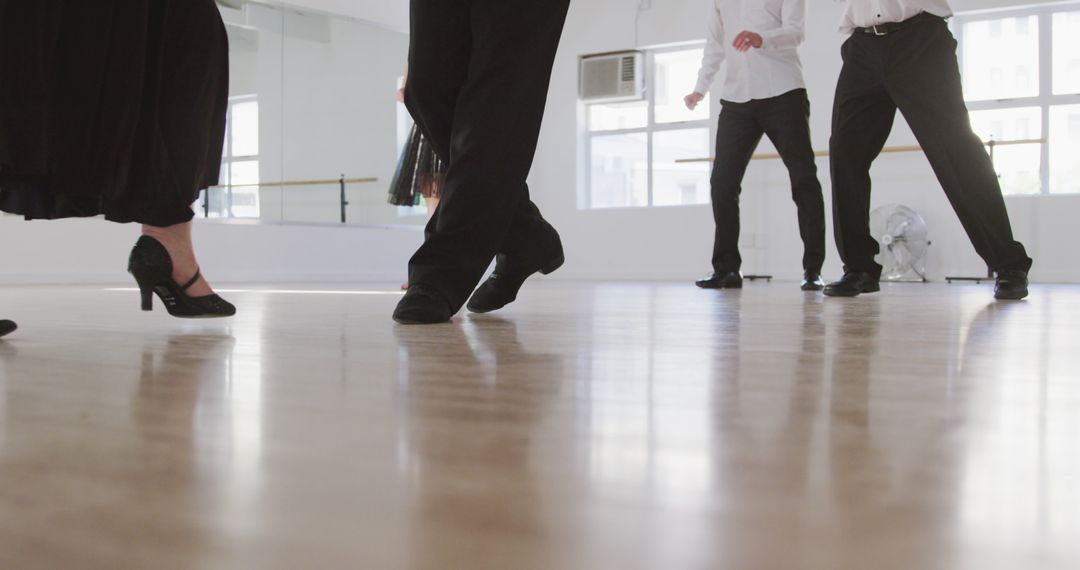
point(479, 72)
point(913, 69)
point(786, 121)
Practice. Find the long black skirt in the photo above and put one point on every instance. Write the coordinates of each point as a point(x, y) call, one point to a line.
point(110, 107)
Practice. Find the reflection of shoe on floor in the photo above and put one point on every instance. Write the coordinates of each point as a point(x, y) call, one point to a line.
point(422, 305)
point(853, 284)
point(501, 289)
point(812, 282)
point(1011, 285)
point(729, 280)
point(7, 327)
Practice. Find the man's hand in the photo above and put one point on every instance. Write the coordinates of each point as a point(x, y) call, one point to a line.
point(693, 99)
point(746, 41)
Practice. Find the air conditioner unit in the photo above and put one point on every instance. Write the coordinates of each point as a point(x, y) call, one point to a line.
point(613, 77)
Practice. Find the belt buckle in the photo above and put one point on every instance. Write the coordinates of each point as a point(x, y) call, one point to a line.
point(876, 32)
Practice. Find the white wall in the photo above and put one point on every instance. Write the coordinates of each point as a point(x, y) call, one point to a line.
point(390, 13)
point(675, 243)
point(93, 251)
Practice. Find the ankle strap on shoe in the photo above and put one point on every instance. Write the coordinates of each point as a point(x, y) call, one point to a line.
point(194, 280)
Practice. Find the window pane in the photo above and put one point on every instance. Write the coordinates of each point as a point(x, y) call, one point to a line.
point(618, 116)
point(620, 171)
point(1001, 58)
point(215, 196)
point(676, 184)
point(1064, 149)
point(673, 79)
point(245, 128)
point(244, 202)
point(1018, 166)
point(245, 172)
point(1066, 53)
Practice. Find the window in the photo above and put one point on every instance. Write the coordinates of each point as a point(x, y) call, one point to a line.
point(636, 150)
point(238, 196)
point(1022, 81)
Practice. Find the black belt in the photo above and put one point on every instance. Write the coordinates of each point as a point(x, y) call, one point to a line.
point(890, 27)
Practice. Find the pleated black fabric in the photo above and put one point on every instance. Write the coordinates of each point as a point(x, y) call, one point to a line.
point(110, 107)
point(419, 174)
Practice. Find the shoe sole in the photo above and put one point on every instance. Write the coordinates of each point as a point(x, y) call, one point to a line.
point(869, 289)
point(414, 322)
point(484, 310)
point(1012, 297)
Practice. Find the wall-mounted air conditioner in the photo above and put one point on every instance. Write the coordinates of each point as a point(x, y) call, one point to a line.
point(612, 77)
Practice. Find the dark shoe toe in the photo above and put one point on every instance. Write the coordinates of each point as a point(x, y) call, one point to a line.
point(422, 306)
point(490, 296)
point(7, 327)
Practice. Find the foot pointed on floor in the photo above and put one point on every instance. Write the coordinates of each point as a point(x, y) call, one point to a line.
point(7, 327)
point(511, 272)
point(423, 305)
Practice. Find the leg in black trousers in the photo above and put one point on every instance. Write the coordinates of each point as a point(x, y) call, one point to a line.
point(737, 136)
point(916, 70)
point(786, 120)
point(927, 88)
point(863, 115)
point(478, 78)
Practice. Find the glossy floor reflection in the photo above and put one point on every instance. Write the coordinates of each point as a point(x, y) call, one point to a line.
point(588, 426)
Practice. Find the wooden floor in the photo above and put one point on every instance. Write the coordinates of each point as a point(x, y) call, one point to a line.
point(592, 426)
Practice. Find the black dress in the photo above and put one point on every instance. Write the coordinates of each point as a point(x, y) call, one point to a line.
point(420, 172)
point(110, 107)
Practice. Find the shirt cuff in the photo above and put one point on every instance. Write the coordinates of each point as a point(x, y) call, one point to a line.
point(702, 86)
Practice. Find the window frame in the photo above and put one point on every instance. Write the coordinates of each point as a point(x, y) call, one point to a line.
point(649, 130)
point(1046, 99)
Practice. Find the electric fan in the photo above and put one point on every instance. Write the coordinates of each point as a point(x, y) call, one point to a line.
point(901, 233)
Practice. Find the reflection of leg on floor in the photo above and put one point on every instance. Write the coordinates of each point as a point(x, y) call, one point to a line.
point(474, 403)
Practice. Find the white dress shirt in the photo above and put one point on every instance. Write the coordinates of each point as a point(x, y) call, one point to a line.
point(867, 13)
point(760, 73)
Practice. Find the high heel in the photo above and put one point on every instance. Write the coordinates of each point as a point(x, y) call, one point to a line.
point(152, 268)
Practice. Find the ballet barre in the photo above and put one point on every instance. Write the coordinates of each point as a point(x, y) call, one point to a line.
point(991, 144)
point(342, 182)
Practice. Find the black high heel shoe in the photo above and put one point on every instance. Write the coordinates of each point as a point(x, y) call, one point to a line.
point(152, 268)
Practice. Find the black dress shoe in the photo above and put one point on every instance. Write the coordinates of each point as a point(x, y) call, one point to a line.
point(812, 282)
point(853, 284)
point(7, 327)
point(729, 280)
point(510, 273)
point(1011, 285)
point(422, 306)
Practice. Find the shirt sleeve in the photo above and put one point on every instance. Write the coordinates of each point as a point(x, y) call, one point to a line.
point(714, 52)
point(792, 28)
